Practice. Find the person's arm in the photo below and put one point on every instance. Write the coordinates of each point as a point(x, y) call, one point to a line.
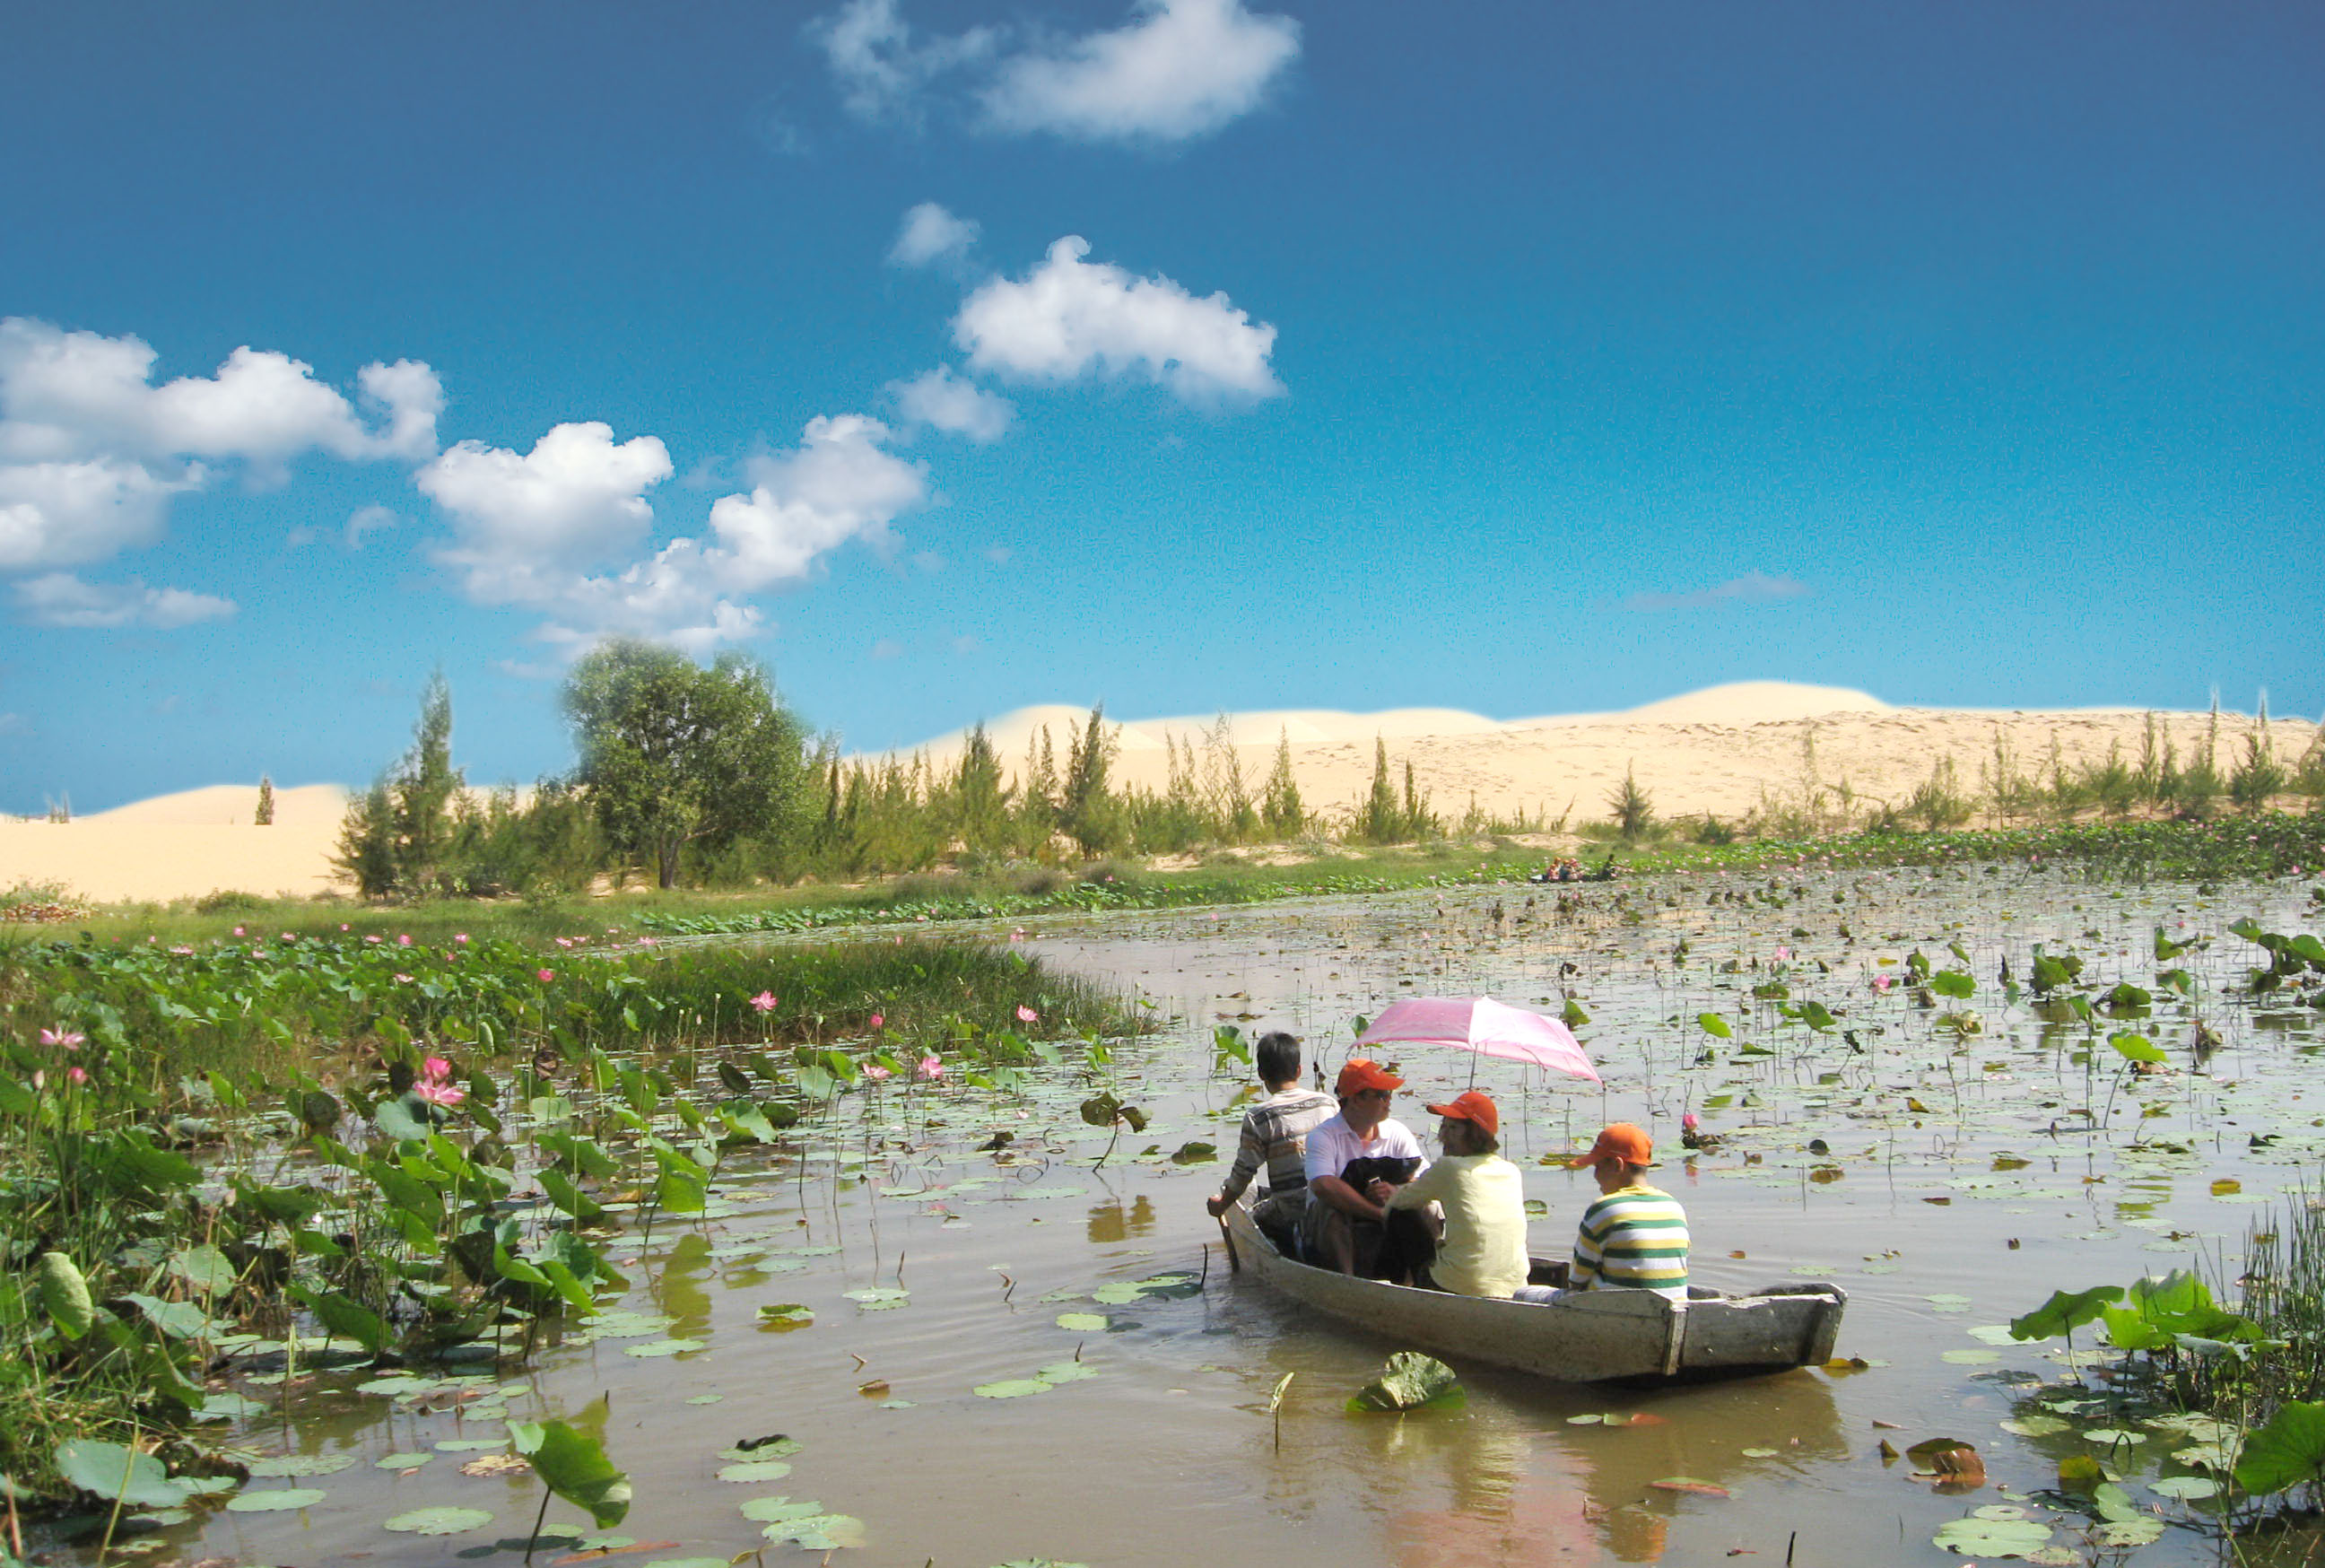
point(1583, 1272)
point(1343, 1197)
point(1434, 1183)
point(1249, 1152)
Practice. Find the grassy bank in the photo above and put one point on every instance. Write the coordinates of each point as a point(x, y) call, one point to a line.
point(237, 1156)
point(2262, 847)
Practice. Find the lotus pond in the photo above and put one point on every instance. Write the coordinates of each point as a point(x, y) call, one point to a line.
point(975, 1314)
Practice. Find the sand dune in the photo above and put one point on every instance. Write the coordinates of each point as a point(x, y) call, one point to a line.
point(1725, 750)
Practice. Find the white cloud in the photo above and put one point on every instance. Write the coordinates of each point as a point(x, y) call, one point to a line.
point(943, 401)
point(879, 68)
point(1176, 69)
point(1068, 319)
point(1183, 68)
point(66, 513)
point(62, 599)
point(524, 525)
point(91, 452)
point(365, 520)
point(1752, 588)
point(931, 234)
point(528, 528)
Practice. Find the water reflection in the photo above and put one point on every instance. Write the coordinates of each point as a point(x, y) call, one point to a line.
point(1115, 1222)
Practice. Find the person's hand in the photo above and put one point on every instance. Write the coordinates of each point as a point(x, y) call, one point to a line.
point(1218, 1203)
point(1381, 1191)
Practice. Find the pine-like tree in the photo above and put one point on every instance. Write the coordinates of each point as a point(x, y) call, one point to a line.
point(1382, 819)
point(1088, 809)
point(264, 817)
point(1280, 807)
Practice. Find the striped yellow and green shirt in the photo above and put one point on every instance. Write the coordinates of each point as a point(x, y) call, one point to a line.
point(1635, 1236)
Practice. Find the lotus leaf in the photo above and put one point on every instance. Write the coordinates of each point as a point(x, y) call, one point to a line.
point(574, 1466)
point(1410, 1380)
point(1977, 1537)
point(438, 1521)
point(274, 1502)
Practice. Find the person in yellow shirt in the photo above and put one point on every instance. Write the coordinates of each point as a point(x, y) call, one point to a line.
point(1482, 1250)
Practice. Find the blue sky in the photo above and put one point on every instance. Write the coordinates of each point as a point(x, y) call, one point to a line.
point(1518, 357)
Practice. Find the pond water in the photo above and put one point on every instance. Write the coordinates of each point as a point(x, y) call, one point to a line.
point(1948, 1171)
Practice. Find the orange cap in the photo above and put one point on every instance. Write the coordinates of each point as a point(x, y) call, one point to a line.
point(1619, 1141)
point(1362, 1073)
point(1472, 1107)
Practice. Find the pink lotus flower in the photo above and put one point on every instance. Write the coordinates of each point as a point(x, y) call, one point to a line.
point(345, 926)
point(1882, 983)
point(183, 952)
point(238, 931)
point(445, 1094)
point(565, 942)
point(1027, 1016)
point(764, 1001)
point(645, 942)
point(372, 941)
point(1783, 955)
point(436, 1066)
point(78, 1074)
point(1690, 1122)
point(930, 1070)
point(405, 940)
point(544, 976)
point(68, 1038)
point(288, 937)
point(403, 979)
point(879, 1020)
point(876, 1074)
point(462, 937)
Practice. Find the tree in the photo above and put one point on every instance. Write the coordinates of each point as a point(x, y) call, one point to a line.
point(1633, 807)
point(423, 789)
point(1280, 807)
point(397, 838)
point(1381, 819)
point(673, 754)
point(264, 817)
point(980, 800)
point(1088, 809)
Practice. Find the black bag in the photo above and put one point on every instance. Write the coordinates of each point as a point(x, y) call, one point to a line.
point(1365, 1170)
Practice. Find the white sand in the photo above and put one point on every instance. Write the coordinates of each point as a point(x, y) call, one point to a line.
point(1723, 750)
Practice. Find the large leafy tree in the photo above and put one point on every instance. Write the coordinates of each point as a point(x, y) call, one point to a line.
point(672, 753)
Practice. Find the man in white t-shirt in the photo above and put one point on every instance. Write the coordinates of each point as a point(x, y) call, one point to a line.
point(1334, 1231)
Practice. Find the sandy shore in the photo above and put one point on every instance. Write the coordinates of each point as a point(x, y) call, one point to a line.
point(1727, 750)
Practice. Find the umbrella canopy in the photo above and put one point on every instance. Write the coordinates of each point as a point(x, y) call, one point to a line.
point(1482, 1024)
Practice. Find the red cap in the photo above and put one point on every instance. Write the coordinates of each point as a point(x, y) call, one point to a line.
point(1619, 1141)
point(1361, 1073)
point(1472, 1107)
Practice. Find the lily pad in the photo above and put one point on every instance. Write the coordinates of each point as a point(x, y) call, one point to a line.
point(663, 1348)
point(755, 1469)
point(298, 1464)
point(281, 1501)
point(879, 1298)
point(1012, 1388)
point(1082, 1323)
point(1977, 1537)
point(403, 1461)
point(438, 1521)
point(2187, 1489)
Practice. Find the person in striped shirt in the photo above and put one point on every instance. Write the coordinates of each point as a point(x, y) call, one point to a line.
point(1635, 1236)
point(1275, 1139)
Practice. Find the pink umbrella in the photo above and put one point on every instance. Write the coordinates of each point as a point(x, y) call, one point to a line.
point(1483, 1025)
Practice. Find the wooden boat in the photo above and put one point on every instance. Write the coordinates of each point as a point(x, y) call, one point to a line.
point(1592, 1337)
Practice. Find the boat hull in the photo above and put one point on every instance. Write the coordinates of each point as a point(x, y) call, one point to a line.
point(1592, 1337)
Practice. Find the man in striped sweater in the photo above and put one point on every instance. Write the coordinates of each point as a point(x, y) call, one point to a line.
point(1635, 1236)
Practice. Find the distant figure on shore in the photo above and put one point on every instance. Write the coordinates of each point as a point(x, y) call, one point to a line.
point(1342, 1227)
point(1275, 1140)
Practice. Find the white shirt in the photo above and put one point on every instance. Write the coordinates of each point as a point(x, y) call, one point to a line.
point(1335, 1143)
